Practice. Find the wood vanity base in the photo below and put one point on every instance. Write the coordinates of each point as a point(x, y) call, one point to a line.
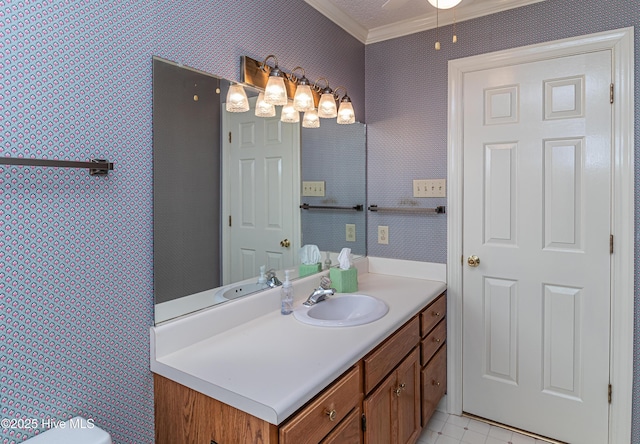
point(397, 386)
point(184, 416)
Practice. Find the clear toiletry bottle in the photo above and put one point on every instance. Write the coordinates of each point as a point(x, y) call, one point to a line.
point(286, 295)
point(262, 280)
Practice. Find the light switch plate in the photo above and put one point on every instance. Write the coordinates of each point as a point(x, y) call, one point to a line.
point(313, 188)
point(430, 188)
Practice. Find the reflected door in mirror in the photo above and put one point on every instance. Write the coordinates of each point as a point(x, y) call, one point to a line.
point(263, 191)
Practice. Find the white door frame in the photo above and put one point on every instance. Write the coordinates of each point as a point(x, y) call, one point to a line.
point(620, 42)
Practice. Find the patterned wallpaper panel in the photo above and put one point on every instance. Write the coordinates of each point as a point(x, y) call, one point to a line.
point(407, 118)
point(76, 270)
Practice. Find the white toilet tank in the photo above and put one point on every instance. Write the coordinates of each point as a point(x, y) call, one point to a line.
point(74, 431)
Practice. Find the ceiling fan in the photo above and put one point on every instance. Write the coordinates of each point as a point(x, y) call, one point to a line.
point(440, 4)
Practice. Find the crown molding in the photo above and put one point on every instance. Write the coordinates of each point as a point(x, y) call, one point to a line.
point(415, 24)
point(337, 16)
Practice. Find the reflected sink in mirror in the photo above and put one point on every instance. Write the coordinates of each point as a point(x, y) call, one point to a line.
point(240, 290)
point(342, 310)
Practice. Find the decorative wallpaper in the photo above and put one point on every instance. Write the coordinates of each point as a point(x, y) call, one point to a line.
point(76, 265)
point(407, 117)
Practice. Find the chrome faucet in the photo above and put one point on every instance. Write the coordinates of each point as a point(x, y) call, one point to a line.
point(272, 279)
point(320, 294)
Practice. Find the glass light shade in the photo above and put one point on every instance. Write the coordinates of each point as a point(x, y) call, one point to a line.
point(444, 4)
point(237, 101)
point(275, 93)
point(311, 119)
point(303, 99)
point(327, 106)
point(346, 115)
point(289, 114)
point(263, 109)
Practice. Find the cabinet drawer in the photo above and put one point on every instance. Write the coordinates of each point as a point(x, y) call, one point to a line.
point(434, 383)
point(433, 314)
point(317, 419)
point(348, 431)
point(383, 359)
point(433, 341)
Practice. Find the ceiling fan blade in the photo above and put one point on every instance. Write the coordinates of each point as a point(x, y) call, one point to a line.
point(393, 4)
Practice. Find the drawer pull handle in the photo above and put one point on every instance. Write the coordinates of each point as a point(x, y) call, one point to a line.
point(436, 314)
point(399, 390)
point(436, 339)
point(436, 383)
point(331, 414)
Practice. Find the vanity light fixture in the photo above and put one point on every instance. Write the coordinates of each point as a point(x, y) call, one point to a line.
point(289, 113)
point(237, 101)
point(263, 109)
point(327, 105)
point(311, 119)
point(275, 93)
point(303, 98)
point(346, 115)
point(318, 100)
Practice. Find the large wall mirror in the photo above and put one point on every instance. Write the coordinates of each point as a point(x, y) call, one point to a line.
point(228, 190)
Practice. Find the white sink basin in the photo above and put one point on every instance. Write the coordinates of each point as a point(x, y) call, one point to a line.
point(242, 290)
point(342, 310)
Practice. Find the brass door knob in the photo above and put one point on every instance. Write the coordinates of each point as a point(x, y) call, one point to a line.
point(473, 261)
point(285, 243)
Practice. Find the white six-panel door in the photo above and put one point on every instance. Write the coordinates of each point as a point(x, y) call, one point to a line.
point(537, 187)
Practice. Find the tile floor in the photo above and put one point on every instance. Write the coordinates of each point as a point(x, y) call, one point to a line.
point(451, 429)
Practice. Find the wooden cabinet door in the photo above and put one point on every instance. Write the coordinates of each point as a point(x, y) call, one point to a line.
point(378, 411)
point(408, 399)
point(434, 383)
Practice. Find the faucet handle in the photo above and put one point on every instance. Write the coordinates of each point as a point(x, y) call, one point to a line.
point(325, 282)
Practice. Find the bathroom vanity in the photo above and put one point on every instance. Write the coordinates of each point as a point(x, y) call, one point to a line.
point(241, 372)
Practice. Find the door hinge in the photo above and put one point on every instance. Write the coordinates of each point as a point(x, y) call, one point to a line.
point(611, 93)
point(229, 136)
point(609, 393)
point(364, 423)
point(462, 259)
point(229, 220)
point(611, 244)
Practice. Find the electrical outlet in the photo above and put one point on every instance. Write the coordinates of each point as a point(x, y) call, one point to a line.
point(383, 234)
point(315, 188)
point(430, 188)
point(351, 232)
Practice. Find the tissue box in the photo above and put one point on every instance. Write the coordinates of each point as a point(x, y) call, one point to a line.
point(306, 270)
point(344, 281)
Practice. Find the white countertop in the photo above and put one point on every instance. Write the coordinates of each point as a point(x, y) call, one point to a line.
point(271, 365)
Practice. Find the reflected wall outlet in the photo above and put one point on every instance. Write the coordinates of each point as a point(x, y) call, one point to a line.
point(312, 188)
point(430, 188)
point(351, 232)
point(383, 234)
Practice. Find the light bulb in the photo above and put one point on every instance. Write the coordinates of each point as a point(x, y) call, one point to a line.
point(303, 98)
point(289, 114)
point(327, 106)
point(263, 109)
point(346, 115)
point(310, 119)
point(237, 101)
point(275, 93)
